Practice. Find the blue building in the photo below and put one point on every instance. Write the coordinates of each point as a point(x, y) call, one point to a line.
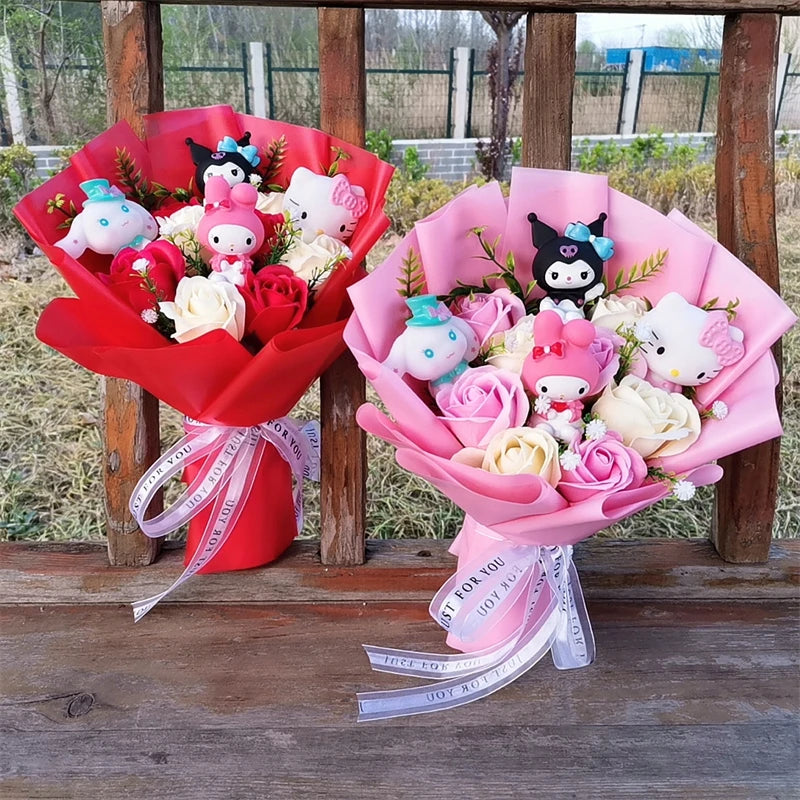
point(665, 59)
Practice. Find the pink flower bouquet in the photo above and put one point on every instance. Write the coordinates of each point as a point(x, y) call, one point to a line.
point(553, 363)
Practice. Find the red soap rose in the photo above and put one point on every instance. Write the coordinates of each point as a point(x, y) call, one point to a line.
point(270, 223)
point(143, 278)
point(276, 301)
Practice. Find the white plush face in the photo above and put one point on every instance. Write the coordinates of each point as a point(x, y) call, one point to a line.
point(564, 388)
point(232, 173)
point(674, 352)
point(308, 200)
point(569, 276)
point(232, 240)
point(429, 352)
point(107, 227)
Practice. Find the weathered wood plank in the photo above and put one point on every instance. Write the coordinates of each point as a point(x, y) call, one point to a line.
point(343, 103)
point(197, 701)
point(132, 44)
point(745, 173)
point(621, 6)
point(548, 85)
point(396, 571)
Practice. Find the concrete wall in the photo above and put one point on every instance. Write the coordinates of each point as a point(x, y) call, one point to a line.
point(454, 159)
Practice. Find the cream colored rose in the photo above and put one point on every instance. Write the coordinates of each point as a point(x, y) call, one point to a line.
point(181, 225)
point(511, 348)
point(523, 450)
point(613, 311)
point(270, 203)
point(315, 258)
point(202, 305)
point(653, 422)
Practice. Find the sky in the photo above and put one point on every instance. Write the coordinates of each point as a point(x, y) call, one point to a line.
point(629, 30)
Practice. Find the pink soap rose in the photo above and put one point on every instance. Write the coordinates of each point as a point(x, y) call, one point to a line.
point(489, 314)
point(605, 348)
point(606, 466)
point(481, 403)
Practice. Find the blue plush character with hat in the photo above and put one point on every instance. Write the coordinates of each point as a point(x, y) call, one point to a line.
point(108, 222)
point(435, 346)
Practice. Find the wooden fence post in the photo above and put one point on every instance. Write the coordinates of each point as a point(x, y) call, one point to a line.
point(132, 39)
point(745, 165)
point(343, 98)
point(547, 98)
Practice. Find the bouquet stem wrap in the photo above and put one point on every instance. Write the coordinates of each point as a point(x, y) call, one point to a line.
point(476, 600)
point(222, 466)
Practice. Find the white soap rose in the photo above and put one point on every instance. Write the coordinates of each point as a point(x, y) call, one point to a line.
point(650, 420)
point(513, 346)
point(614, 310)
point(310, 259)
point(181, 225)
point(270, 202)
point(202, 305)
point(524, 450)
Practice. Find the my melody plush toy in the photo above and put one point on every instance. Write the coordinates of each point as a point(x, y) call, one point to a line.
point(318, 204)
point(435, 346)
point(235, 160)
point(562, 372)
point(108, 222)
point(230, 227)
point(686, 345)
point(570, 267)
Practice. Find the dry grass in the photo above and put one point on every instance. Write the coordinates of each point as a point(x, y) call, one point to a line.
point(50, 448)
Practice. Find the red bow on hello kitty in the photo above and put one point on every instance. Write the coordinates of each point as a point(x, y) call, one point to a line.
point(716, 334)
point(556, 349)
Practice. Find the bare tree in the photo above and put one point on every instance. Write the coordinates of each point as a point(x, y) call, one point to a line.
point(504, 68)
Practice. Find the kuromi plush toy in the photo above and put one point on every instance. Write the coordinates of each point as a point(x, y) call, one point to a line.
point(108, 222)
point(686, 345)
point(318, 204)
point(570, 267)
point(235, 160)
point(435, 346)
point(230, 227)
point(562, 372)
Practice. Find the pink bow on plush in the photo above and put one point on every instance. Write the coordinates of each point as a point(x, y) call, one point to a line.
point(716, 334)
point(342, 194)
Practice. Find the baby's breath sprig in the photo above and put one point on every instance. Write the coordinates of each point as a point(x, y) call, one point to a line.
point(638, 273)
point(59, 203)
point(682, 489)
point(729, 308)
point(412, 278)
point(718, 410)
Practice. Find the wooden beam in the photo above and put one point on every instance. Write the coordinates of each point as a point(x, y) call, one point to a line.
point(132, 43)
point(789, 7)
point(745, 167)
point(547, 98)
point(343, 102)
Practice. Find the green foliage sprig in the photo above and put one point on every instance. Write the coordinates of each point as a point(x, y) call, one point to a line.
point(274, 156)
point(729, 308)
point(339, 156)
point(282, 241)
point(638, 273)
point(628, 350)
point(412, 279)
point(59, 203)
point(148, 194)
point(188, 243)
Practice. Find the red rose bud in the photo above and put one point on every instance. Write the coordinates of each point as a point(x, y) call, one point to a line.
point(271, 223)
point(276, 300)
point(143, 278)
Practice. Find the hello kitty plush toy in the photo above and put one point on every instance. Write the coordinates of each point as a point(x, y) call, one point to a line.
point(686, 345)
point(108, 222)
point(320, 205)
point(570, 267)
point(562, 372)
point(435, 346)
point(230, 227)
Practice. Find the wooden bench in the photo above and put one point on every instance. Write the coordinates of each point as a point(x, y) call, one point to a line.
point(243, 684)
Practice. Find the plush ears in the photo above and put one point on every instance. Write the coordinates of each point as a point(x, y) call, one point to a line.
point(228, 152)
point(542, 233)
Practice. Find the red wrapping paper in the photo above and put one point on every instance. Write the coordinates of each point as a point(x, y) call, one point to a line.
point(213, 379)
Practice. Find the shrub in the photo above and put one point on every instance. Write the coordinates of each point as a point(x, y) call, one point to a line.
point(17, 178)
point(380, 143)
point(409, 200)
point(412, 164)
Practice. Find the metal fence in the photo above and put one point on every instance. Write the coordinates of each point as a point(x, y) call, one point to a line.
point(681, 101)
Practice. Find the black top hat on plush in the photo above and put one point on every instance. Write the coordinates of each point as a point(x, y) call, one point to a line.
point(568, 266)
point(234, 159)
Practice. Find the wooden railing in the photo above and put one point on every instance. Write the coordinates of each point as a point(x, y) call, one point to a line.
point(745, 498)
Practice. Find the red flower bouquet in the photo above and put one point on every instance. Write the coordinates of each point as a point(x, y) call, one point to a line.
point(210, 263)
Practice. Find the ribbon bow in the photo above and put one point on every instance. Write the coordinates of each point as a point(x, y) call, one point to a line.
point(716, 334)
point(342, 194)
point(556, 349)
point(217, 204)
point(229, 145)
point(440, 312)
point(603, 246)
point(231, 458)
